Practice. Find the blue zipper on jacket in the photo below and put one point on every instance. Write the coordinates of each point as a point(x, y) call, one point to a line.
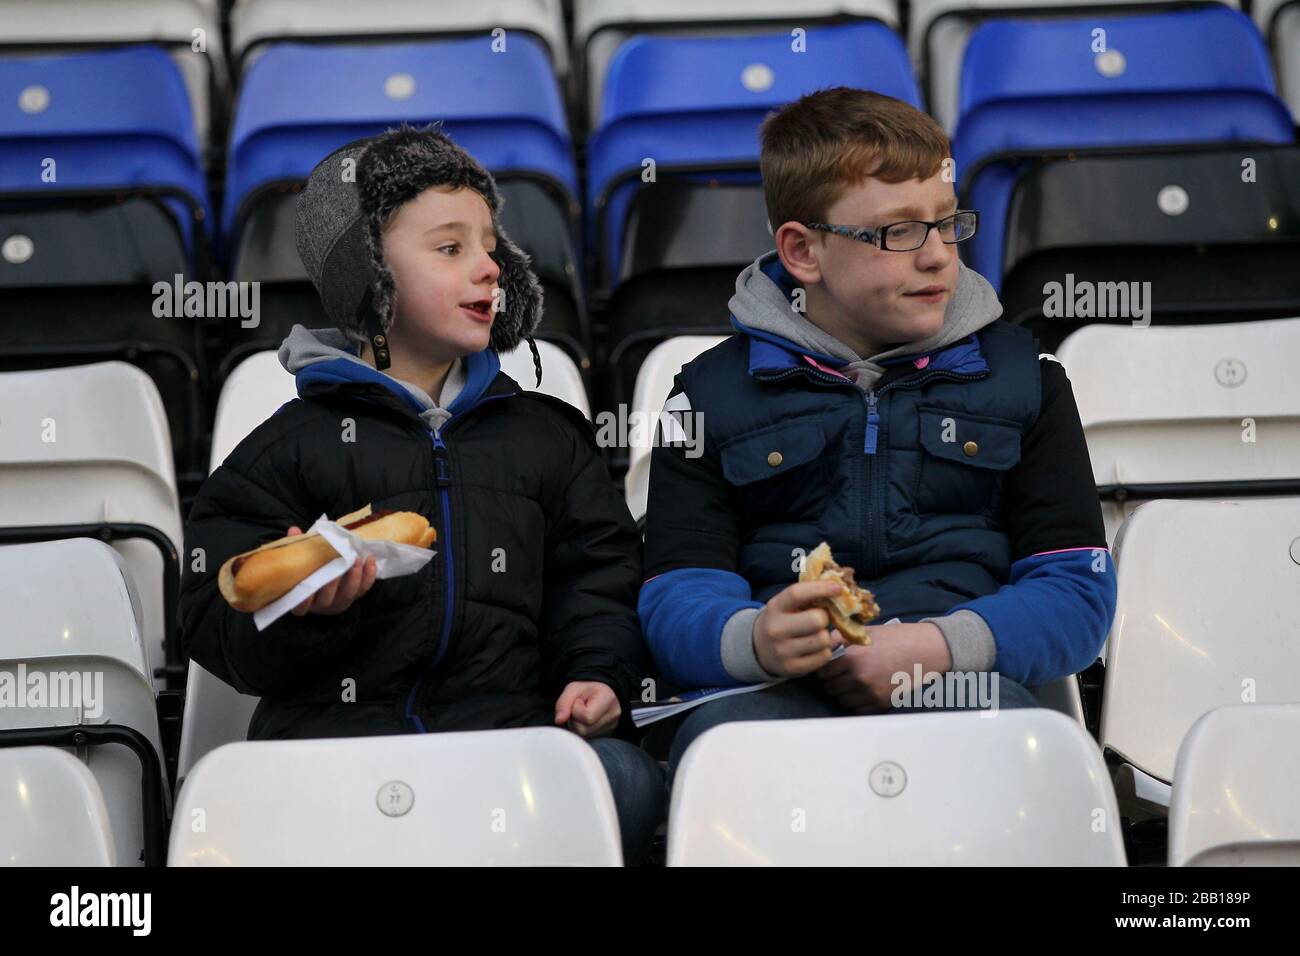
point(873, 424)
point(442, 479)
point(871, 438)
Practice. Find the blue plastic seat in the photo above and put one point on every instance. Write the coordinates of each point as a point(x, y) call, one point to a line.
point(112, 121)
point(1028, 88)
point(694, 106)
point(299, 102)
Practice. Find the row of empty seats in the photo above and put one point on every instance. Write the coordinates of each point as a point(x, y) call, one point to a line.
point(1180, 183)
point(937, 30)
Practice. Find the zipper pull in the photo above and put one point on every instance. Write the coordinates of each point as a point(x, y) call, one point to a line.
point(873, 424)
point(441, 469)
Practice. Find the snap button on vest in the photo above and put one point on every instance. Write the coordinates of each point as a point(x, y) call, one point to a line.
point(970, 448)
point(774, 458)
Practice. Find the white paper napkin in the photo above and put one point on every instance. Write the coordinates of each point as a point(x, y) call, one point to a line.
point(392, 560)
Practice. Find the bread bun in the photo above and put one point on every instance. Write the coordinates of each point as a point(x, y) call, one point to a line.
point(254, 579)
point(853, 608)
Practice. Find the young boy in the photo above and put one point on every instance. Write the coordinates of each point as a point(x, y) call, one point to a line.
point(526, 615)
point(870, 399)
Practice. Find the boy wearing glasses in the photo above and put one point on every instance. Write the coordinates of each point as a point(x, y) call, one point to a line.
point(872, 399)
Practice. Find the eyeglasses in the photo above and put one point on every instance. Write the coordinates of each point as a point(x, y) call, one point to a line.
point(910, 234)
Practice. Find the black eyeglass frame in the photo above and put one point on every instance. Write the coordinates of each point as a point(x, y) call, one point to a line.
point(876, 237)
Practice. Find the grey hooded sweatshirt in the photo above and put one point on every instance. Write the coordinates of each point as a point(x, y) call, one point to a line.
point(761, 304)
point(303, 347)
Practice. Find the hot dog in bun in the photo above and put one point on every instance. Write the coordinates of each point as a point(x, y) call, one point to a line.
point(252, 580)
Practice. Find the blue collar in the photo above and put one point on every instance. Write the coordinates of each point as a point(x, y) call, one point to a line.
point(769, 352)
point(481, 369)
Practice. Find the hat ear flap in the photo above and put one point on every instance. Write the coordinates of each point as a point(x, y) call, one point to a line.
point(521, 296)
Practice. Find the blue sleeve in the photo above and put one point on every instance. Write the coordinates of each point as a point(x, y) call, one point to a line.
point(1052, 617)
point(682, 614)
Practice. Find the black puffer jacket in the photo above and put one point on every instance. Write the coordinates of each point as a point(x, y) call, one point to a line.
point(533, 585)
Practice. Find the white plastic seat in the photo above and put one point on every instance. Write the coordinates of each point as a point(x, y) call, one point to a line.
point(1064, 697)
point(251, 394)
point(216, 713)
point(255, 22)
point(654, 380)
point(1279, 21)
point(1177, 403)
point(532, 796)
point(1235, 786)
point(601, 26)
point(938, 30)
point(1207, 616)
point(52, 812)
point(560, 376)
point(70, 609)
point(89, 444)
point(1018, 787)
point(46, 24)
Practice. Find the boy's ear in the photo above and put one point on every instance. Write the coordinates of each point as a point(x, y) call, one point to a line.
point(799, 248)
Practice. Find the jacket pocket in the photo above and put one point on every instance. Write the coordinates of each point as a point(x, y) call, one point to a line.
point(964, 459)
point(779, 472)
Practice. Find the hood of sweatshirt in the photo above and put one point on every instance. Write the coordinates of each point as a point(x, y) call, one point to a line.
point(327, 355)
point(761, 308)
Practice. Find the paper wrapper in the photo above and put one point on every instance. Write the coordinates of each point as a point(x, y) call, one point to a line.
point(392, 560)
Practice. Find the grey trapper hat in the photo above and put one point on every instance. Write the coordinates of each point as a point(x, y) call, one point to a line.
point(340, 218)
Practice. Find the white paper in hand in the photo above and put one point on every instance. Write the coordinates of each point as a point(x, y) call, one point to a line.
point(392, 560)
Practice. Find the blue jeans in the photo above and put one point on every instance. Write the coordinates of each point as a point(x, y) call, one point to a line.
point(640, 794)
point(803, 698)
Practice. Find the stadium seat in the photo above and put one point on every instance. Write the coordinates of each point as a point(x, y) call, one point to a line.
point(670, 250)
point(1209, 411)
point(1206, 617)
point(560, 377)
point(104, 207)
point(1235, 786)
point(252, 393)
point(1190, 77)
point(1279, 21)
point(1207, 235)
point(73, 626)
point(532, 796)
point(694, 106)
point(86, 453)
point(255, 24)
point(939, 30)
point(879, 791)
point(52, 811)
point(654, 380)
point(215, 714)
point(601, 26)
point(177, 26)
point(298, 103)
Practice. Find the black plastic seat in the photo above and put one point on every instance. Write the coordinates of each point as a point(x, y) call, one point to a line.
point(686, 241)
point(1213, 246)
point(77, 281)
